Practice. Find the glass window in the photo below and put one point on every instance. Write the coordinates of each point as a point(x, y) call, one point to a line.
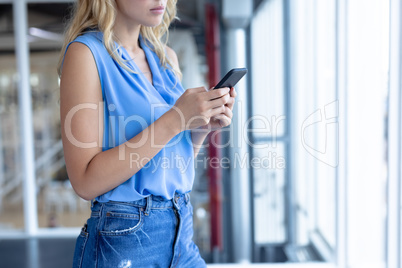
point(367, 88)
point(314, 110)
point(11, 216)
point(268, 69)
point(268, 121)
point(268, 166)
point(315, 85)
point(326, 130)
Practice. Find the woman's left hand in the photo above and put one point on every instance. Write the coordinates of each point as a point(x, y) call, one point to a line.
point(224, 119)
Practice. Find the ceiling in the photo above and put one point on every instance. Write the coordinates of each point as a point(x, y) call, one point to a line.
point(46, 23)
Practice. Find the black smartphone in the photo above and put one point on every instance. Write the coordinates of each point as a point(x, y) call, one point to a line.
point(231, 78)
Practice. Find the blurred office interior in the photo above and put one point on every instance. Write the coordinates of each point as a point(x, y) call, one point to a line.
point(307, 175)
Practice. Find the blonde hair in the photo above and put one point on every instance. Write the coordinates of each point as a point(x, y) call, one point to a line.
point(101, 14)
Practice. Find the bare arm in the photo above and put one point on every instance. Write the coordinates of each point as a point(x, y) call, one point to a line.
point(93, 172)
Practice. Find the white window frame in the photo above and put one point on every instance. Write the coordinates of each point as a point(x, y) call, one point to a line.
point(394, 220)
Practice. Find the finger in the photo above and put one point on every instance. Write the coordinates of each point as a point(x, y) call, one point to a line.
point(226, 122)
point(230, 103)
point(233, 92)
point(217, 111)
point(217, 93)
point(223, 120)
point(218, 102)
point(221, 111)
point(227, 112)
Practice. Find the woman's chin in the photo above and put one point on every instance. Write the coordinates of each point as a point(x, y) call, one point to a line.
point(152, 23)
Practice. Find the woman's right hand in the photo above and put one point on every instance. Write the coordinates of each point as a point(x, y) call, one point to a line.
point(197, 105)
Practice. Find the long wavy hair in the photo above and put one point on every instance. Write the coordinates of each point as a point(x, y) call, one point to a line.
point(101, 14)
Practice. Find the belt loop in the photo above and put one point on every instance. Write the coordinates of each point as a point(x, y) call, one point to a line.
point(148, 205)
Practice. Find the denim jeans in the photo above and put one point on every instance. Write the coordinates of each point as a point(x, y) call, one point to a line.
point(151, 232)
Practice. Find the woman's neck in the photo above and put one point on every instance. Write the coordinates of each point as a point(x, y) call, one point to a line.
point(127, 35)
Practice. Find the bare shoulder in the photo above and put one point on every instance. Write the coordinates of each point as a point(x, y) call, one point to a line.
point(77, 51)
point(79, 74)
point(171, 54)
point(78, 57)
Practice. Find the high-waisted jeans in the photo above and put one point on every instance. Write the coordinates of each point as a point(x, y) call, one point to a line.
point(151, 232)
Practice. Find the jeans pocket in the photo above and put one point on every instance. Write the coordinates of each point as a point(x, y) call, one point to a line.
point(80, 247)
point(121, 223)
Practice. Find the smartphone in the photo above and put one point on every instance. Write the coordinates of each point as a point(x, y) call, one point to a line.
point(231, 78)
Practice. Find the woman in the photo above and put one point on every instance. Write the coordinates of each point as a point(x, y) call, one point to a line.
point(130, 134)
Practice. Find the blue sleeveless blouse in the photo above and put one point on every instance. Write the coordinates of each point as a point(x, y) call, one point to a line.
point(131, 104)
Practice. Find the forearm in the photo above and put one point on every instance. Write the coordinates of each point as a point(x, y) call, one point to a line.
point(111, 168)
point(198, 136)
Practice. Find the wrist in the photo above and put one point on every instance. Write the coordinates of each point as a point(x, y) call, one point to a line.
point(173, 122)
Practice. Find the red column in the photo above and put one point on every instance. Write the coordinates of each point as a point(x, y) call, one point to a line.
point(214, 172)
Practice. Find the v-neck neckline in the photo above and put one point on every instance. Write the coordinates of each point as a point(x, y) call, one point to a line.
point(152, 82)
point(135, 66)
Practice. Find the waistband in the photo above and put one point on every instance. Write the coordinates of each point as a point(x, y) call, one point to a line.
point(148, 203)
